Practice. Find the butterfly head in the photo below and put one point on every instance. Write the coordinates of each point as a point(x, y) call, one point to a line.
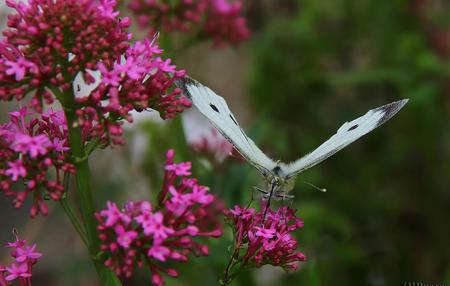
point(277, 179)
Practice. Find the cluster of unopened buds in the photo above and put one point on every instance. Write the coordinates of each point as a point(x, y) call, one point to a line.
point(263, 238)
point(220, 20)
point(25, 257)
point(31, 151)
point(142, 234)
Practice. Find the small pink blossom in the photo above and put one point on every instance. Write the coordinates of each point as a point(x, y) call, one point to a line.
point(125, 238)
point(33, 145)
point(27, 253)
point(17, 271)
point(181, 169)
point(266, 233)
point(16, 170)
point(25, 257)
point(18, 68)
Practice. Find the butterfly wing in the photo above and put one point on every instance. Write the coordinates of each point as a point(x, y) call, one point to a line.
point(346, 134)
point(216, 110)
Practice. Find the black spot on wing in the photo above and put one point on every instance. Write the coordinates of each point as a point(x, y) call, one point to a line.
point(234, 120)
point(390, 110)
point(353, 127)
point(213, 107)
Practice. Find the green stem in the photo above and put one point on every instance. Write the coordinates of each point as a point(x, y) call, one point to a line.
point(86, 199)
point(70, 212)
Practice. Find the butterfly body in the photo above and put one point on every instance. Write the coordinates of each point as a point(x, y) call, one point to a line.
point(280, 177)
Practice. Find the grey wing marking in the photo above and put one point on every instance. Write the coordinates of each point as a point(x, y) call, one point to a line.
point(346, 134)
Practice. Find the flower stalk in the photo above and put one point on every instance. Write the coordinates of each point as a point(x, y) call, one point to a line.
point(86, 199)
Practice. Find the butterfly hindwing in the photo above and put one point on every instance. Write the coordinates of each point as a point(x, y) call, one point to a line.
point(214, 107)
point(346, 134)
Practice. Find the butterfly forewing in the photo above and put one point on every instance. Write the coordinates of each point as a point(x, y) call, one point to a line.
point(216, 110)
point(346, 134)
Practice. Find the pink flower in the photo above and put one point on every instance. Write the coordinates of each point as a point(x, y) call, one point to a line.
point(50, 47)
point(33, 145)
point(27, 253)
point(225, 24)
point(125, 238)
point(16, 271)
point(181, 169)
point(16, 170)
point(113, 214)
point(159, 252)
point(29, 151)
point(220, 20)
point(155, 226)
point(266, 233)
point(18, 68)
point(24, 259)
point(43, 38)
point(263, 240)
point(139, 79)
point(155, 238)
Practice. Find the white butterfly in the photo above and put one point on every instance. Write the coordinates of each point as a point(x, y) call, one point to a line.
point(279, 176)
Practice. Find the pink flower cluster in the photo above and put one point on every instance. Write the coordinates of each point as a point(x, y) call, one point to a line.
point(140, 79)
point(141, 234)
point(49, 42)
point(214, 145)
point(180, 15)
point(268, 240)
point(30, 151)
point(56, 48)
point(220, 20)
point(25, 257)
point(224, 23)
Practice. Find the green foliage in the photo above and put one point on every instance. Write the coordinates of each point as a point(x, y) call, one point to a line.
point(383, 219)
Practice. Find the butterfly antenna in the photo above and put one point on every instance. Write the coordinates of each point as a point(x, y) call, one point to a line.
point(323, 190)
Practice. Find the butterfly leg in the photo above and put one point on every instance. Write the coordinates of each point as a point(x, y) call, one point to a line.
point(268, 201)
point(266, 193)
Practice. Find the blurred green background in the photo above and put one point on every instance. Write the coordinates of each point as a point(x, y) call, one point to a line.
point(309, 67)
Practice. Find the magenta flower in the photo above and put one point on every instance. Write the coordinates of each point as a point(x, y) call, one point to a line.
point(19, 68)
point(27, 253)
point(17, 271)
point(29, 150)
point(220, 20)
point(156, 236)
point(33, 145)
point(42, 50)
point(124, 238)
point(81, 47)
point(139, 79)
point(266, 233)
point(225, 24)
point(260, 240)
point(180, 169)
point(21, 268)
point(16, 170)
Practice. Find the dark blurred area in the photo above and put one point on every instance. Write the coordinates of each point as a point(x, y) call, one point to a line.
point(309, 67)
